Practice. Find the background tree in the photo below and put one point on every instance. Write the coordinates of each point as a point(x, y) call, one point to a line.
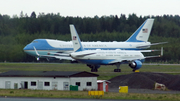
point(17, 32)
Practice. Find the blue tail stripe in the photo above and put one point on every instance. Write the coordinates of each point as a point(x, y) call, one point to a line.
point(79, 40)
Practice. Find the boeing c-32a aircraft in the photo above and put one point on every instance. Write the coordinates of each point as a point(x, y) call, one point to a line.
point(95, 58)
point(55, 48)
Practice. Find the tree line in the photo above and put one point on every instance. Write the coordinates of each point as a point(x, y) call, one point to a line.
point(16, 32)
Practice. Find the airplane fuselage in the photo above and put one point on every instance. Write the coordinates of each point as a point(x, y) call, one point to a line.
point(47, 46)
point(105, 57)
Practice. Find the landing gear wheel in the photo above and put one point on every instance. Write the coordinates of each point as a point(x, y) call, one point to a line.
point(94, 70)
point(133, 70)
point(117, 70)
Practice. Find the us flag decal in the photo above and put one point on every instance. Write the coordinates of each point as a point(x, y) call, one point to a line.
point(74, 37)
point(145, 30)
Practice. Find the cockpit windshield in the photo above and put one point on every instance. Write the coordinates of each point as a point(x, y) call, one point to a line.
point(34, 41)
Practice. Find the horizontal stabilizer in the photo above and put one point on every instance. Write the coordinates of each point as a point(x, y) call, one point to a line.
point(147, 50)
point(157, 56)
point(144, 46)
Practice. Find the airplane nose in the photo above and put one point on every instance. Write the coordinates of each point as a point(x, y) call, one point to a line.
point(28, 49)
point(25, 48)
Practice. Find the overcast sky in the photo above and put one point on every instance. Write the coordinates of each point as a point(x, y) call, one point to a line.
point(90, 8)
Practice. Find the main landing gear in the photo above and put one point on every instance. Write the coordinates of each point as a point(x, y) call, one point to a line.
point(117, 70)
point(94, 68)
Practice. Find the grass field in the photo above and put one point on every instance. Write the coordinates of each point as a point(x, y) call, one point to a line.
point(84, 94)
point(105, 72)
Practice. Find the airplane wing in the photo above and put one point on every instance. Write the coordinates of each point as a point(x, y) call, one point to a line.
point(57, 56)
point(144, 46)
point(156, 55)
point(82, 55)
point(125, 60)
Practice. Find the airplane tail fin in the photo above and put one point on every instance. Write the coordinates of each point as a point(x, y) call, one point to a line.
point(75, 39)
point(142, 33)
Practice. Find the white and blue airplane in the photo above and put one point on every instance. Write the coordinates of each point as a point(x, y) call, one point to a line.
point(95, 58)
point(49, 48)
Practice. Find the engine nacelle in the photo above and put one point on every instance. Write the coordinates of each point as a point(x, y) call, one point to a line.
point(135, 64)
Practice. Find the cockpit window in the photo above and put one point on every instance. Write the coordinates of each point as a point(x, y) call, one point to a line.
point(35, 42)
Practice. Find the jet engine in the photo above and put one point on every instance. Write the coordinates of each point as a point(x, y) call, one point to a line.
point(135, 64)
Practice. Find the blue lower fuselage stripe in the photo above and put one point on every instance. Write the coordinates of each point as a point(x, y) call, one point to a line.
point(96, 62)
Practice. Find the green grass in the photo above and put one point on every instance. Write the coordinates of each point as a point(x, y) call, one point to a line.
point(105, 73)
point(84, 94)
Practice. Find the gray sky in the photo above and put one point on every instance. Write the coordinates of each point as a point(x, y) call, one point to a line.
point(90, 8)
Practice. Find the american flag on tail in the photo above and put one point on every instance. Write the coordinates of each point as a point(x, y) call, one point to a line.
point(74, 37)
point(145, 30)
